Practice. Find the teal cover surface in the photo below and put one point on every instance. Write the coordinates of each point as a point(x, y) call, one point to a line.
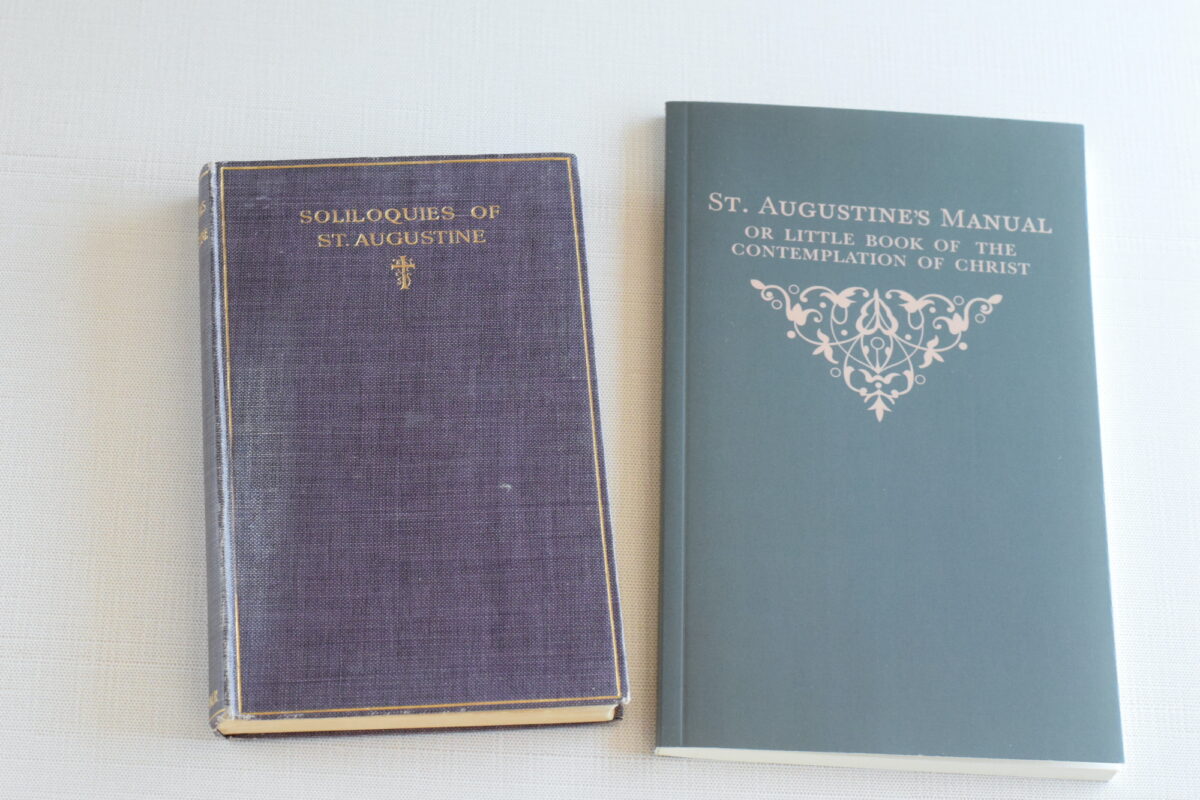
point(883, 512)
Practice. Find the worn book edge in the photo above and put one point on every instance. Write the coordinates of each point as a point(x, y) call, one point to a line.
point(216, 484)
point(454, 719)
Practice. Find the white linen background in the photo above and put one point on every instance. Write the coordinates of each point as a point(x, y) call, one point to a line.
point(107, 111)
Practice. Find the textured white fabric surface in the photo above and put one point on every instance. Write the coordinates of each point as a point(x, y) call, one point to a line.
point(107, 112)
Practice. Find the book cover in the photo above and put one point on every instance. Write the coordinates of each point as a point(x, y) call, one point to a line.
point(407, 515)
point(883, 516)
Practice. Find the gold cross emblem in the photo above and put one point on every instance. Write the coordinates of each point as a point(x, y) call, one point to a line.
point(403, 267)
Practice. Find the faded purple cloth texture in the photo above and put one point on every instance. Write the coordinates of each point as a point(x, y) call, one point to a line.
point(417, 509)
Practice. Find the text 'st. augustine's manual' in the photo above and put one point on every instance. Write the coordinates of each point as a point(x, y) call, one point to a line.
point(407, 514)
point(883, 515)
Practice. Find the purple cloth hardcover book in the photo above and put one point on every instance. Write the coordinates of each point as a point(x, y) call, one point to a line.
point(407, 517)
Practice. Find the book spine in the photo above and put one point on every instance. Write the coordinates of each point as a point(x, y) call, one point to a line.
point(220, 705)
point(674, 431)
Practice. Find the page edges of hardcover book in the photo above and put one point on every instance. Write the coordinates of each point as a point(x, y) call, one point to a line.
point(560, 715)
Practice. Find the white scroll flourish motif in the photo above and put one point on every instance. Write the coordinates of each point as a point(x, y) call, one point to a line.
point(879, 343)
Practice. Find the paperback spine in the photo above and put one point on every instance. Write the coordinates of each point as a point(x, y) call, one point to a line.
point(215, 450)
point(674, 431)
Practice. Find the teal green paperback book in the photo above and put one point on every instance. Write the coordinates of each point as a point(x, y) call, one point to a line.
point(884, 535)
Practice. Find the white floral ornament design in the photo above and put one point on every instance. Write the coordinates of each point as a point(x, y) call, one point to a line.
point(859, 331)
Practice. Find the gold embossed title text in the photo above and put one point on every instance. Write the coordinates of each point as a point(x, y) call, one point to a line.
point(398, 227)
